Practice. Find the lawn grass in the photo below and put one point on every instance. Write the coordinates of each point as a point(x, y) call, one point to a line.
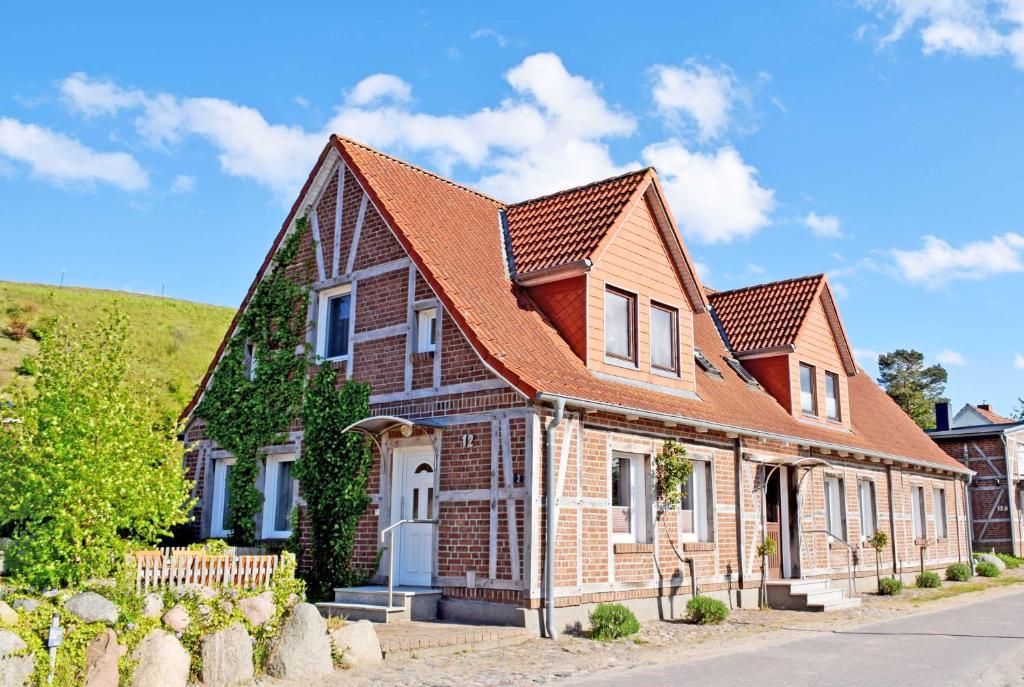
point(174, 340)
point(950, 589)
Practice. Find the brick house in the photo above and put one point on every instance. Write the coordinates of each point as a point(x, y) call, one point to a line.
point(993, 447)
point(529, 360)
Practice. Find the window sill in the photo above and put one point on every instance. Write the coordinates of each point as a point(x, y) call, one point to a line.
point(621, 362)
point(339, 359)
point(836, 546)
point(634, 548)
point(422, 356)
point(921, 541)
point(808, 414)
point(667, 374)
point(699, 546)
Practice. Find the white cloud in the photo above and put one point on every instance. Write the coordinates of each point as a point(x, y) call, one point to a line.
point(301, 102)
point(825, 226)
point(703, 270)
point(716, 197)
point(58, 158)
point(183, 183)
point(490, 33)
point(707, 95)
point(948, 357)
point(92, 97)
point(839, 289)
point(1018, 361)
point(938, 262)
point(755, 269)
point(975, 28)
point(379, 87)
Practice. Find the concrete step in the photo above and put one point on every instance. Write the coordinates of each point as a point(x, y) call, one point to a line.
point(420, 603)
point(800, 586)
point(834, 605)
point(357, 611)
point(821, 598)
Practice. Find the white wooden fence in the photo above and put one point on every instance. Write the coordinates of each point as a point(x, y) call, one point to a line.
point(180, 568)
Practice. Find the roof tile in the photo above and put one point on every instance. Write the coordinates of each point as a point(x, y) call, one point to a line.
point(766, 315)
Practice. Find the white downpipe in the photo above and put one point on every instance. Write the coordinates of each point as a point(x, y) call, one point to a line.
point(549, 502)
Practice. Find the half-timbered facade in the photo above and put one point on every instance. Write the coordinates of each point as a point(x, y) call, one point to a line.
point(527, 363)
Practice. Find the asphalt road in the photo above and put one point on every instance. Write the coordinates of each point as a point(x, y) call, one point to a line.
point(979, 643)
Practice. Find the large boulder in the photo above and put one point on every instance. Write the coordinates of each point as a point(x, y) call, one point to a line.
point(8, 616)
point(90, 607)
point(303, 651)
point(101, 660)
point(990, 558)
point(152, 605)
point(357, 644)
point(14, 670)
point(177, 618)
point(161, 661)
point(27, 605)
point(227, 658)
point(258, 610)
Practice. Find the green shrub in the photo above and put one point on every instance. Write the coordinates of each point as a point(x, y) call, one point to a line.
point(611, 621)
point(986, 569)
point(704, 610)
point(1010, 561)
point(890, 586)
point(28, 367)
point(958, 572)
point(928, 580)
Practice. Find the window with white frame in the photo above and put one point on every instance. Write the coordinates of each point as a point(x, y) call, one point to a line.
point(629, 497)
point(696, 508)
point(868, 508)
point(835, 506)
point(941, 522)
point(664, 338)
point(917, 512)
point(426, 330)
point(620, 324)
point(250, 360)
point(1020, 456)
point(279, 491)
point(808, 392)
point(334, 315)
point(832, 396)
point(220, 518)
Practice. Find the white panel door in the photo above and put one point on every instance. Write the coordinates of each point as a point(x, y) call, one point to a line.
point(413, 498)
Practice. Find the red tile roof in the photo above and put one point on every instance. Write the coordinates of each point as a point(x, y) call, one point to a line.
point(450, 233)
point(994, 418)
point(766, 316)
point(568, 226)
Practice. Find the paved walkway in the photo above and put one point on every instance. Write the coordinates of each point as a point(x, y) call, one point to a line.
point(409, 636)
point(978, 643)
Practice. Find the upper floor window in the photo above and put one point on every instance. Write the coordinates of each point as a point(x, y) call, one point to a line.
point(629, 498)
point(333, 321)
point(620, 324)
point(808, 394)
point(664, 338)
point(832, 395)
point(426, 330)
point(941, 522)
point(250, 361)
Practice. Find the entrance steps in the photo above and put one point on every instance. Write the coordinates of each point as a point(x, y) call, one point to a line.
point(371, 603)
point(808, 595)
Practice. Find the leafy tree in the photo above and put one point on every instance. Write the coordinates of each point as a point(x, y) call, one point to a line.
point(914, 387)
point(1018, 412)
point(87, 466)
point(878, 541)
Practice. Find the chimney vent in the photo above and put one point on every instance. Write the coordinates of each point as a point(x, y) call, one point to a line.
point(942, 416)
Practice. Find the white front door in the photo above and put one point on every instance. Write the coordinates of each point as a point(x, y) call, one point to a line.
point(413, 498)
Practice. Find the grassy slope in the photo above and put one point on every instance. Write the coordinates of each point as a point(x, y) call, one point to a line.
point(175, 340)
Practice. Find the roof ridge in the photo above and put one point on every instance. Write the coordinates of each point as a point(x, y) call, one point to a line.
point(581, 187)
point(421, 170)
point(819, 275)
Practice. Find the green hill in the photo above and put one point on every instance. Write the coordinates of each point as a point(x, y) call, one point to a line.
point(175, 340)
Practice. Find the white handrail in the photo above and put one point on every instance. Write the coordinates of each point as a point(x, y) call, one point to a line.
point(390, 531)
point(849, 555)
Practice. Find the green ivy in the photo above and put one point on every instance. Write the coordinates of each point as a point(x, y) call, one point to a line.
point(673, 470)
point(333, 474)
point(242, 414)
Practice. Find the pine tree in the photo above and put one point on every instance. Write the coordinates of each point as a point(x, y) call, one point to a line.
point(914, 387)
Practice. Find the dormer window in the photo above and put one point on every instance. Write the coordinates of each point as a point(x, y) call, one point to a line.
point(704, 363)
point(333, 321)
point(426, 330)
point(620, 325)
point(832, 396)
point(664, 338)
point(808, 395)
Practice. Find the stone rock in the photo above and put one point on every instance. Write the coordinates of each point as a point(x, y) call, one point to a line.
point(152, 605)
point(227, 658)
point(994, 560)
point(27, 605)
point(199, 590)
point(14, 670)
point(258, 610)
point(90, 607)
point(357, 643)
point(162, 661)
point(8, 616)
point(303, 651)
point(177, 618)
point(101, 660)
point(226, 606)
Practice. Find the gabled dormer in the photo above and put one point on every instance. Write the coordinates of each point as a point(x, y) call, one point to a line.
point(789, 335)
point(607, 266)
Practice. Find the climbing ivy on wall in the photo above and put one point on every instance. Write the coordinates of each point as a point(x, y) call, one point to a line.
point(243, 414)
point(333, 472)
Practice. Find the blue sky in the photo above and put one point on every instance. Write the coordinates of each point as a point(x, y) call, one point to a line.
point(877, 141)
